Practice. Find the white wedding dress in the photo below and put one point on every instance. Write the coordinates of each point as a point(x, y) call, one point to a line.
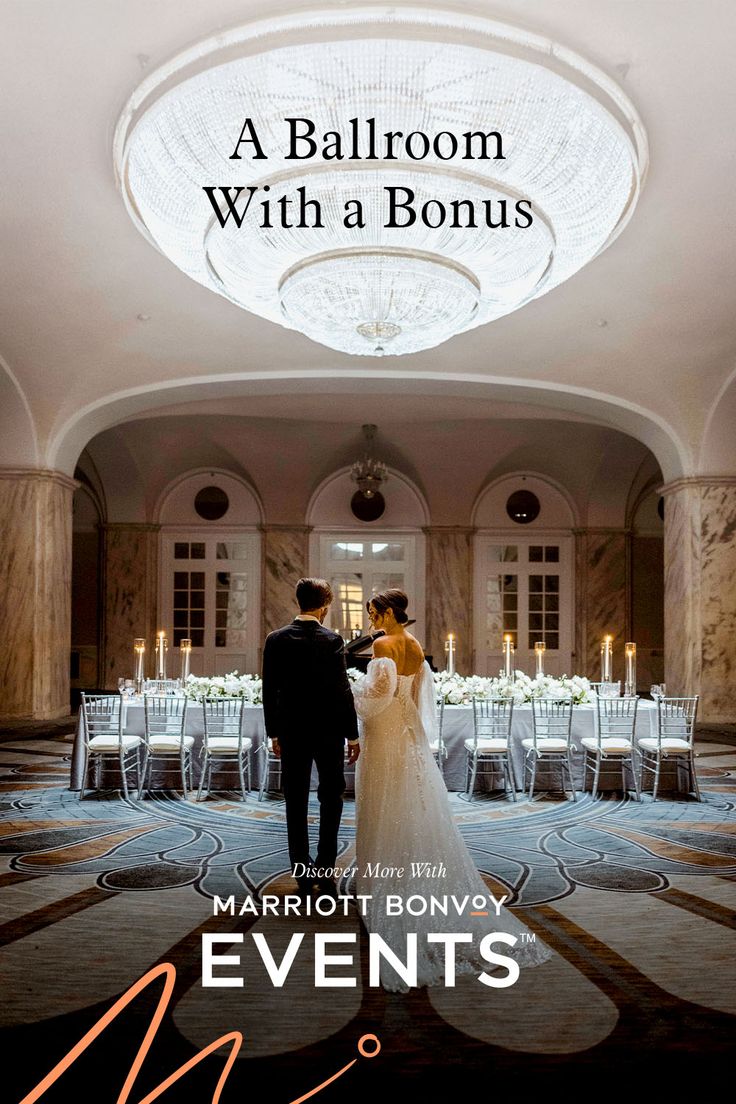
point(404, 817)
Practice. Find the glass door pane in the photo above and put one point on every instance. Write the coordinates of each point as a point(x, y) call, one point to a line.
point(524, 589)
point(211, 596)
point(379, 564)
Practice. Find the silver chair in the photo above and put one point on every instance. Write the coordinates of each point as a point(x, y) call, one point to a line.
point(224, 743)
point(271, 765)
point(550, 740)
point(102, 731)
point(165, 739)
point(674, 740)
point(439, 747)
point(613, 740)
point(489, 751)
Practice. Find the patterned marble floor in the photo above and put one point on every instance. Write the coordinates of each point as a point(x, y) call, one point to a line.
point(638, 901)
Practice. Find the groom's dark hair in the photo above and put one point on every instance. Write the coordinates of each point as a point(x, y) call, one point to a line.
point(313, 594)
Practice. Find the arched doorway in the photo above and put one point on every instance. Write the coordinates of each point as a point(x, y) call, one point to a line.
point(524, 573)
point(210, 571)
point(360, 558)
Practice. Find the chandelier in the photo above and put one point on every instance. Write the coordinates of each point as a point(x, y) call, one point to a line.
point(575, 151)
point(368, 472)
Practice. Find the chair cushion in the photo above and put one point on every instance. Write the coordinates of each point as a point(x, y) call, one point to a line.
point(669, 744)
point(489, 746)
point(110, 742)
point(169, 743)
point(546, 744)
point(228, 744)
point(610, 745)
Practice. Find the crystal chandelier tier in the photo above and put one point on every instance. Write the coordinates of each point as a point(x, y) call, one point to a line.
point(575, 150)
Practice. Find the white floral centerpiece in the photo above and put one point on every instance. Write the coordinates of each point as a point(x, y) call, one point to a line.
point(456, 690)
point(248, 687)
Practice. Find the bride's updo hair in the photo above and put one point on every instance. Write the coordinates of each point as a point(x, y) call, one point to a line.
point(394, 600)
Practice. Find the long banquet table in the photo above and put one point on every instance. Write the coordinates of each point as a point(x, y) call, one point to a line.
point(457, 728)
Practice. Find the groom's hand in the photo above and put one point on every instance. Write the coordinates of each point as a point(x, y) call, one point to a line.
point(353, 752)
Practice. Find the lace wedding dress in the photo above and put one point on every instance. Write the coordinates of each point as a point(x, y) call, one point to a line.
point(404, 821)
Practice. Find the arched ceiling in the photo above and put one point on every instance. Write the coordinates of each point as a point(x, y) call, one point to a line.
point(91, 316)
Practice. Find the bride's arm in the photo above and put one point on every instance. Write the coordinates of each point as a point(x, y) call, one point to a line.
point(425, 699)
point(374, 692)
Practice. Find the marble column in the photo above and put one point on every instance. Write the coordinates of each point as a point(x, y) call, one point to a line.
point(285, 561)
point(700, 593)
point(602, 605)
point(450, 593)
point(130, 564)
point(35, 593)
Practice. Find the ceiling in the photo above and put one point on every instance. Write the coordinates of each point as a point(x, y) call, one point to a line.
point(97, 327)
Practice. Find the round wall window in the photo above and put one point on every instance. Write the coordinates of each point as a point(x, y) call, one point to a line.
point(367, 509)
point(523, 507)
point(211, 503)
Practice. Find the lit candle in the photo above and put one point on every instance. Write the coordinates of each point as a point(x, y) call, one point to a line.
point(607, 659)
point(139, 648)
point(630, 675)
point(539, 649)
point(162, 647)
point(508, 655)
point(450, 653)
point(185, 653)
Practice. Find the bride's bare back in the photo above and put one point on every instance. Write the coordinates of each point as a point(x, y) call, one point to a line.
point(403, 648)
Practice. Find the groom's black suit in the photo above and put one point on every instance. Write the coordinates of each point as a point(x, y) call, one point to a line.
point(308, 707)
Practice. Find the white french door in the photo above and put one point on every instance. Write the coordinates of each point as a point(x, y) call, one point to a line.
point(210, 594)
point(523, 586)
point(358, 567)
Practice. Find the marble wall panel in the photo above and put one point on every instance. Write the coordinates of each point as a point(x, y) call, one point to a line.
point(602, 604)
point(131, 554)
point(35, 593)
point(700, 594)
point(718, 602)
point(682, 589)
point(450, 594)
point(285, 561)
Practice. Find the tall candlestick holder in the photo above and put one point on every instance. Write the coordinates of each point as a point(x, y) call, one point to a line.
point(607, 659)
point(539, 649)
point(630, 671)
point(450, 653)
point(162, 647)
point(139, 651)
point(508, 656)
point(185, 656)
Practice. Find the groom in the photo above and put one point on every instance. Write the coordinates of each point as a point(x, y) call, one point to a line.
point(309, 713)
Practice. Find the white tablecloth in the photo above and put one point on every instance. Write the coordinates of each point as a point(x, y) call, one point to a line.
point(458, 727)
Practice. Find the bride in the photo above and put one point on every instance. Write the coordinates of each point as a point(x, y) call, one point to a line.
point(407, 842)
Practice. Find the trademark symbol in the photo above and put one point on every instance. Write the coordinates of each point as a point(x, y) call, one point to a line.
point(528, 937)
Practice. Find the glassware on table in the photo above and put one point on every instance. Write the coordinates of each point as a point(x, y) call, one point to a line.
point(655, 691)
point(610, 689)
